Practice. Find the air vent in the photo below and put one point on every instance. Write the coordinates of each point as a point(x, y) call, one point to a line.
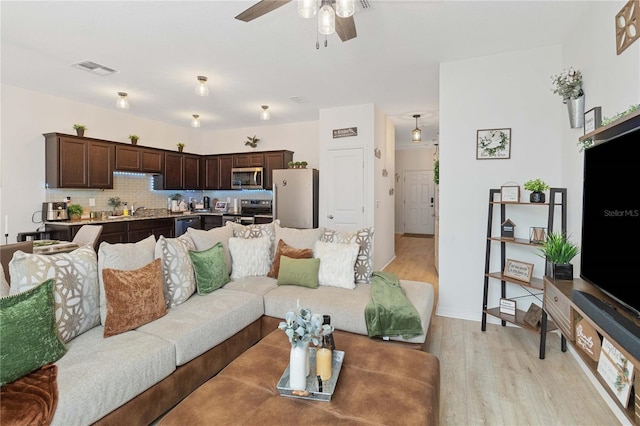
point(94, 68)
point(363, 5)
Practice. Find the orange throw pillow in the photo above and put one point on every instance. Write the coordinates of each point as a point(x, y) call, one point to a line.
point(286, 250)
point(134, 298)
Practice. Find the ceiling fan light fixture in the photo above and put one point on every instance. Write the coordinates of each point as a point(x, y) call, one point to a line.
point(196, 121)
point(416, 134)
point(345, 8)
point(326, 18)
point(265, 114)
point(122, 101)
point(201, 87)
point(307, 8)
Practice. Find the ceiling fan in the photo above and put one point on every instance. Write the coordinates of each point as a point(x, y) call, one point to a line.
point(345, 27)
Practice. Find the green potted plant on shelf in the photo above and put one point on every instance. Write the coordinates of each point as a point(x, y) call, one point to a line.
point(296, 165)
point(80, 128)
point(75, 211)
point(290, 164)
point(134, 139)
point(537, 188)
point(303, 164)
point(558, 251)
point(252, 141)
point(180, 146)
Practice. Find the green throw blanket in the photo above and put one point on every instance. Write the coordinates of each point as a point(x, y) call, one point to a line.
point(390, 313)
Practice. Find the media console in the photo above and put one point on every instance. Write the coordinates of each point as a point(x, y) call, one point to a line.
point(568, 302)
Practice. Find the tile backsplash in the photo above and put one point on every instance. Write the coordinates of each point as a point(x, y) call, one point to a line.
point(137, 189)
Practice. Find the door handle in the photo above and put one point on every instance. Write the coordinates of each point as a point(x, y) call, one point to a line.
point(330, 216)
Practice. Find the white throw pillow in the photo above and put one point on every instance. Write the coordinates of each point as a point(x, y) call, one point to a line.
point(204, 240)
point(178, 276)
point(258, 231)
point(364, 238)
point(76, 293)
point(298, 238)
point(4, 285)
point(336, 263)
point(250, 257)
point(125, 257)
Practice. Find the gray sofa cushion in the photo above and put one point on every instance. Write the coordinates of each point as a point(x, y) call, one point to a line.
point(98, 375)
point(203, 322)
point(346, 307)
point(254, 285)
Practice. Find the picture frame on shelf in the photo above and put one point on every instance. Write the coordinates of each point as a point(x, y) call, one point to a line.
point(592, 119)
point(221, 206)
point(493, 144)
point(518, 270)
point(510, 194)
point(533, 317)
point(537, 235)
point(507, 306)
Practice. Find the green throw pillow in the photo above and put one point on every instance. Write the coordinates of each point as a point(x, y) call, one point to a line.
point(210, 268)
point(302, 272)
point(28, 333)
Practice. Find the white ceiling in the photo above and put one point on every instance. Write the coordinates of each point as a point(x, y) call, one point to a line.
point(158, 49)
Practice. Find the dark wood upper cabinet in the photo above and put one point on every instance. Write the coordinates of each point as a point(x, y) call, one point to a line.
point(191, 171)
point(211, 172)
point(151, 161)
point(75, 162)
point(275, 160)
point(137, 159)
point(226, 164)
point(253, 159)
point(173, 166)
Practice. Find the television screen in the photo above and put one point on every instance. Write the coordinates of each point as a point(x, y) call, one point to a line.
point(610, 254)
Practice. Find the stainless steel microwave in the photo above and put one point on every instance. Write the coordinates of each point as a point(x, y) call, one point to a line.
point(247, 178)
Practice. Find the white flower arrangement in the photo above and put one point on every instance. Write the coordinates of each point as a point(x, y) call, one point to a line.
point(304, 327)
point(568, 84)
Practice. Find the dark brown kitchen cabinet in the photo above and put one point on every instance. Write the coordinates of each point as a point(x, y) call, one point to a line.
point(75, 162)
point(253, 159)
point(211, 221)
point(136, 159)
point(275, 160)
point(173, 166)
point(226, 164)
point(141, 229)
point(191, 171)
point(211, 172)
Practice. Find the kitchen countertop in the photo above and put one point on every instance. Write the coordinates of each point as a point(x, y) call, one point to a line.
point(157, 214)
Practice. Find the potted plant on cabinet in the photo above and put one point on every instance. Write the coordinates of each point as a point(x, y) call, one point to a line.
point(134, 139)
point(252, 141)
point(75, 211)
point(558, 251)
point(303, 164)
point(180, 146)
point(290, 164)
point(80, 128)
point(537, 188)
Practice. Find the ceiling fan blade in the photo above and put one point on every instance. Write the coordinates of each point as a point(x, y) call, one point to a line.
point(345, 28)
point(261, 8)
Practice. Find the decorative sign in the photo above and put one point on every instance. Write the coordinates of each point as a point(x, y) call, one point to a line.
point(345, 133)
point(592, 119)
point(507, 229)
point(493, 144)
point(616, 370)
point(533, 315)
point(519, 270)
point(587, 339)
point(507, 306)
point(510, 194)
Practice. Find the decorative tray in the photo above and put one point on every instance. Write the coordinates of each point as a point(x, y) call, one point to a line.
point(328, 387)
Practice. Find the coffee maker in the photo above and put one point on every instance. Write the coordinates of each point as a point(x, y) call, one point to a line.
point(53, 211)
point(207, 202)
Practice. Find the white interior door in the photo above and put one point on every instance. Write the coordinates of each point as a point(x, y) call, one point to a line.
point(345, 189)
point(419, 199)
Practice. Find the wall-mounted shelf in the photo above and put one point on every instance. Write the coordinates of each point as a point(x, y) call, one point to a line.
point(615, 128)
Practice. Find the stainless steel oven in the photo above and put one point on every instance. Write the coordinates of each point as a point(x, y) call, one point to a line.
point(247, 178)
point(243, 220)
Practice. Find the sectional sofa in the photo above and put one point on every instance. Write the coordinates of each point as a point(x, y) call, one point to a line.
point(128, 362)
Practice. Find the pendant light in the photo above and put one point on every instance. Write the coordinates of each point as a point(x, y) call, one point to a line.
point(307, 8)
point(201, 88)
point(345, 8)
point(416, 135)
point(122, 101)
point(326, 18)
point(265, 114)
point(196, 121)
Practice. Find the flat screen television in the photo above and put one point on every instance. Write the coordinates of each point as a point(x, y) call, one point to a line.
point(610, 250)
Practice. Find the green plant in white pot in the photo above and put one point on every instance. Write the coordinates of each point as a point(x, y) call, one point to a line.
point(558, 251)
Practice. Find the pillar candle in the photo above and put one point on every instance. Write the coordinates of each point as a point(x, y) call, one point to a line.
point(323, 363)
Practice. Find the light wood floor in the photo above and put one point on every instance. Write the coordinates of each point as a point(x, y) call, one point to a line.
point(495, 377)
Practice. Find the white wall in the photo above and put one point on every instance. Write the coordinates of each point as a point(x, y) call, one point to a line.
point(384, 192)
point(409, 159)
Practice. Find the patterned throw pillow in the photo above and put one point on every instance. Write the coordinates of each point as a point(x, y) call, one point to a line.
point(250, 257)
point(134, 297)
point(286, 250)
point(364, 238)
point(77, 295)
point(177, 269)
point(336, 264)
point(123, 256)
point(210, 268)
point(258, 231)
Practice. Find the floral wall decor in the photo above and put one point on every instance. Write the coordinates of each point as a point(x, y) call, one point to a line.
point(493, 144)
point(568, 84)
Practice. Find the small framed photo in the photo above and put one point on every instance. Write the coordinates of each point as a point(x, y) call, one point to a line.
point(522, 271)
point(510, 194)
point(533, 315)
point(507, 306)
point(221, 206)
point(592, 119)
point(493, 144)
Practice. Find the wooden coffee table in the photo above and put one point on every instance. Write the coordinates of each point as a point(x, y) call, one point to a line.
point(379, 383)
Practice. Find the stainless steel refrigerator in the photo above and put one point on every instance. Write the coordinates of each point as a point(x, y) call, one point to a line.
point(295, 197)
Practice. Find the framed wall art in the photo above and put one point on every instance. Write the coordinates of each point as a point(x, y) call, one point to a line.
point(518, 270)
point(493, 144)
point(592, 119)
